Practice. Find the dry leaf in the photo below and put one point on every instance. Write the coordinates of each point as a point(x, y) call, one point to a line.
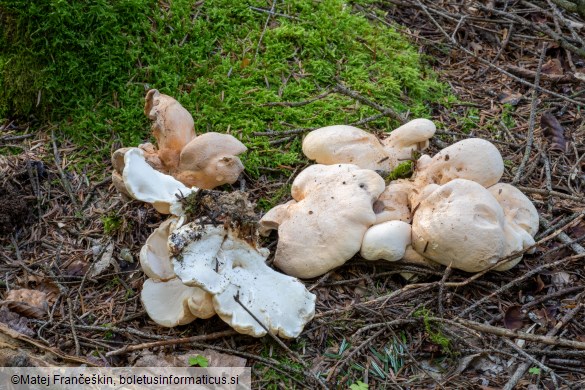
point(16, 322)
point(28, 303)
point(513, 317)
point(552, 67)
point(104, 262)
point(553, 130)
point(509, 97)
point(560, 279)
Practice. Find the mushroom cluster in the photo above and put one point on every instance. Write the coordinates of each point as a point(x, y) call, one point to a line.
point(205, 258)
point(205, 161)
point(453, 211)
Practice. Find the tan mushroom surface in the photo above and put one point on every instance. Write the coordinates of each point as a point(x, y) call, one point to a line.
point(463, 225)
point(210, 160)
point(342, 144)
point(324, 226)
point(172, 126)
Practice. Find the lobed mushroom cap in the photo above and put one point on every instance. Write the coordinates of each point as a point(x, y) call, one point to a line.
point(343, 144)
point(170, 303)
point(472, 159)
point(325, 225)
point(210, 160)
point(517, 207)
point(228, 267)
point(521, 221)
point(387, 241)
point(393, 203)
point(460, 224)
point(172, 126)
point(410, 137)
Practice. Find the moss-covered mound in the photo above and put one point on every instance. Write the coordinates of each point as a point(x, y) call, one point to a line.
point(86, 65)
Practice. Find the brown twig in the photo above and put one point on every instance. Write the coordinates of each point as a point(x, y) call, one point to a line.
point(531, 120)
point(164, 343)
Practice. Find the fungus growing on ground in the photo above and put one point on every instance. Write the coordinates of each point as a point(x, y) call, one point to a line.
point(324, 225)
point(205, 161)
point(471, 159)
point(247, 294)
point(214, 265)
point(166, 299)
point(349, 145)
point(463, 225)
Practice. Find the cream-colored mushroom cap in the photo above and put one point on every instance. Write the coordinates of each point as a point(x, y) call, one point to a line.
point(343, 144)
point(210, 160)
point(393, 204)
point(172, 126)
point(460, 224)
point(324, 226)
point(149, 185)
point(410, 137)
point(517, 207)
point(155, 258)
point(386, 241)
point(521, 221)
point(168, 303)
point(472, 159)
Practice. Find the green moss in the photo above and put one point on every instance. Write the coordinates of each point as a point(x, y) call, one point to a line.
point(402, 171)
point(434, 331)
point(91, 62)
point(112, 223)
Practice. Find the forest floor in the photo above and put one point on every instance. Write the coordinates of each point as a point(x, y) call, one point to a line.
point(518, 71)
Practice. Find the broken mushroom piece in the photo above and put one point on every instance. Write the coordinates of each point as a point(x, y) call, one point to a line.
point(210, 160)
point(247, 294)
point(462, 224)
point(145, 183)
point(172, 126)
point(171, 303)
point(325, 224)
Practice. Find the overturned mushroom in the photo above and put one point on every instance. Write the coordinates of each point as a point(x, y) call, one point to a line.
point(247, 294)
point(324, 226)
point(144, 183)
point(168, 301)
point(172, 303)
point(350, 145)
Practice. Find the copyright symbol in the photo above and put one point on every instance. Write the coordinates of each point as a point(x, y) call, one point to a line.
point(14, 379)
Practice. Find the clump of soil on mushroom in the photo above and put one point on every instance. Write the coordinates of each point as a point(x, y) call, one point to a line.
point(232, 209)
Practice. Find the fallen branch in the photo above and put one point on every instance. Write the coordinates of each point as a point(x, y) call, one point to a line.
point(163, 343)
